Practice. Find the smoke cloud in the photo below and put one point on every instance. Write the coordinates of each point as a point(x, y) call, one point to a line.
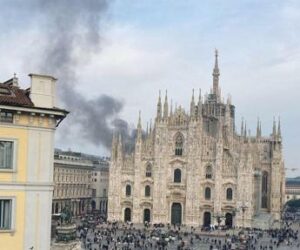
point(73, 28)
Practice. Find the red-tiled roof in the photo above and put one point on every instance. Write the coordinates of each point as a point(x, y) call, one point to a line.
point(14, 96)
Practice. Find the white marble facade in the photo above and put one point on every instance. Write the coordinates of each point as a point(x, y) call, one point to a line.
point(193, 168)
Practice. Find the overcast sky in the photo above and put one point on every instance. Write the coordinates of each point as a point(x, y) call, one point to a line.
point(167, 44)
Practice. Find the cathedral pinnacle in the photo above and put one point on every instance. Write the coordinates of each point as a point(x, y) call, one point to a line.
point(139, 126)
point(242, 127)
point(147, 129)
point(120, 148)
point(150, 127)
point(120, 140)
point(216, 74)
point(279, 128)
point(192, 108)
point(258, 127)
point(200, 98)
point(193, 96)
point(158, 116)
point(274, 128)
point(166, 106)
point(114, 138)
point(200, 104)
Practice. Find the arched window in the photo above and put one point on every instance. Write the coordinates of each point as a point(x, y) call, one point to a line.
point(147, 191)
point(264, 190)
point(179, 145)
point(208, 172)
point(148, 171)
point(207, 193)
point(229, 194)
point(177, 175)
point(128, 190)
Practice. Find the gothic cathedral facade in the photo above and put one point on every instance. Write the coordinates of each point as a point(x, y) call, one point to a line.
point(196, 169)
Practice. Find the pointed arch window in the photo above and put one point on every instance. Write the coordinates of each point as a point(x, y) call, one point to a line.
point(207, 193)
point(149, 170)
point(179, 144)
point(229, 194)
point(147, 191)
point(128, 190)
point(177, 175)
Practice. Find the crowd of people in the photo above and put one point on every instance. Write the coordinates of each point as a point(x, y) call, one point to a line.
point(127, 237)
point(95, 234)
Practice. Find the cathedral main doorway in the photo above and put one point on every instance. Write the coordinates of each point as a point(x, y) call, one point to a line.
point(146, 215)
point(93, 203)
point(228, 220)
point(176, 213)
point(206, 219)
point(127, 214)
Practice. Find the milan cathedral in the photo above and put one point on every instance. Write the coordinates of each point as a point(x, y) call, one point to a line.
point(194, 168)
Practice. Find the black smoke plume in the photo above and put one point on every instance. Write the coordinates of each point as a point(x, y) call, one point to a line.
point(73, 27)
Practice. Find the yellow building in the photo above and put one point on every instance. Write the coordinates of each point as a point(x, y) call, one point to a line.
point(28, 119)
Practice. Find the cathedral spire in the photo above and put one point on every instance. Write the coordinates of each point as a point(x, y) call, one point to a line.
point(166, 106)
point(245, 130)
point(139, 128)
point(216, 74)
point(120, 147)
point(114, 140)
point(258, 132)
point(260, 128)
point(158, 116)
point(200, 105)
point(242, 127)
point(150, 127)
point(192, 108)
point(279, 129)
point(274, 128)
point(200, 97)
point(171, 108)
point(147, 129)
